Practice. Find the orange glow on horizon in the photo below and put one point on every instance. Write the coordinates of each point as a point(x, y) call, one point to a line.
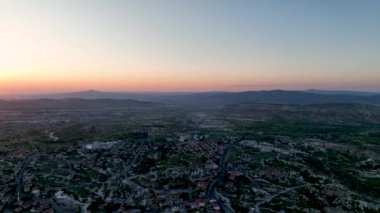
point(42, 82)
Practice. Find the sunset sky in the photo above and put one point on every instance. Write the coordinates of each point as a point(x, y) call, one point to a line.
point(195, 45)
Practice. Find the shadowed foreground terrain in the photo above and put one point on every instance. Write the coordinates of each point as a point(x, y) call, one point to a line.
point(106, 155)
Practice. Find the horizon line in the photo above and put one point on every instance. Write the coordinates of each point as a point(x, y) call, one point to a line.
point(38, 94)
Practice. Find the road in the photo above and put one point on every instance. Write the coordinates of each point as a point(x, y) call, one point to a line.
point(53, 137)
point(211, 193)
point(20, 177)
point(117, 176)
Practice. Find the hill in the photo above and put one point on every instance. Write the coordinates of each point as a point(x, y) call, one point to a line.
point(274, 97)
point(228, 98)
point(74, 104)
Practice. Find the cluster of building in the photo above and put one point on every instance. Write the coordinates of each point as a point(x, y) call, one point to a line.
point(175, 176)
point(106, 175)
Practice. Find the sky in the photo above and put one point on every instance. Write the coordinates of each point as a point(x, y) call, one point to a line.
point(188, 45)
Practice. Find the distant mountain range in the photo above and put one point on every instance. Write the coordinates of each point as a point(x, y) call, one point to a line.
point(341, 92)
point(277, 97)
point(228, 98)
point(93, 94)
point(73, 104)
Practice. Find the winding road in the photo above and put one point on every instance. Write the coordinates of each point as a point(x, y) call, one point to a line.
point(211, 193)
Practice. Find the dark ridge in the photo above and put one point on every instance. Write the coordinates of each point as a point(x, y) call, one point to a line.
point(228, 98)
point(46, 104)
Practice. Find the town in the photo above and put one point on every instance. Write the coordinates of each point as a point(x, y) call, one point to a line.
point(217, 166)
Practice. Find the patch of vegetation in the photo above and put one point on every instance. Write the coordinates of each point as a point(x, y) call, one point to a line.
point(133, 135)
point(178, 160)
